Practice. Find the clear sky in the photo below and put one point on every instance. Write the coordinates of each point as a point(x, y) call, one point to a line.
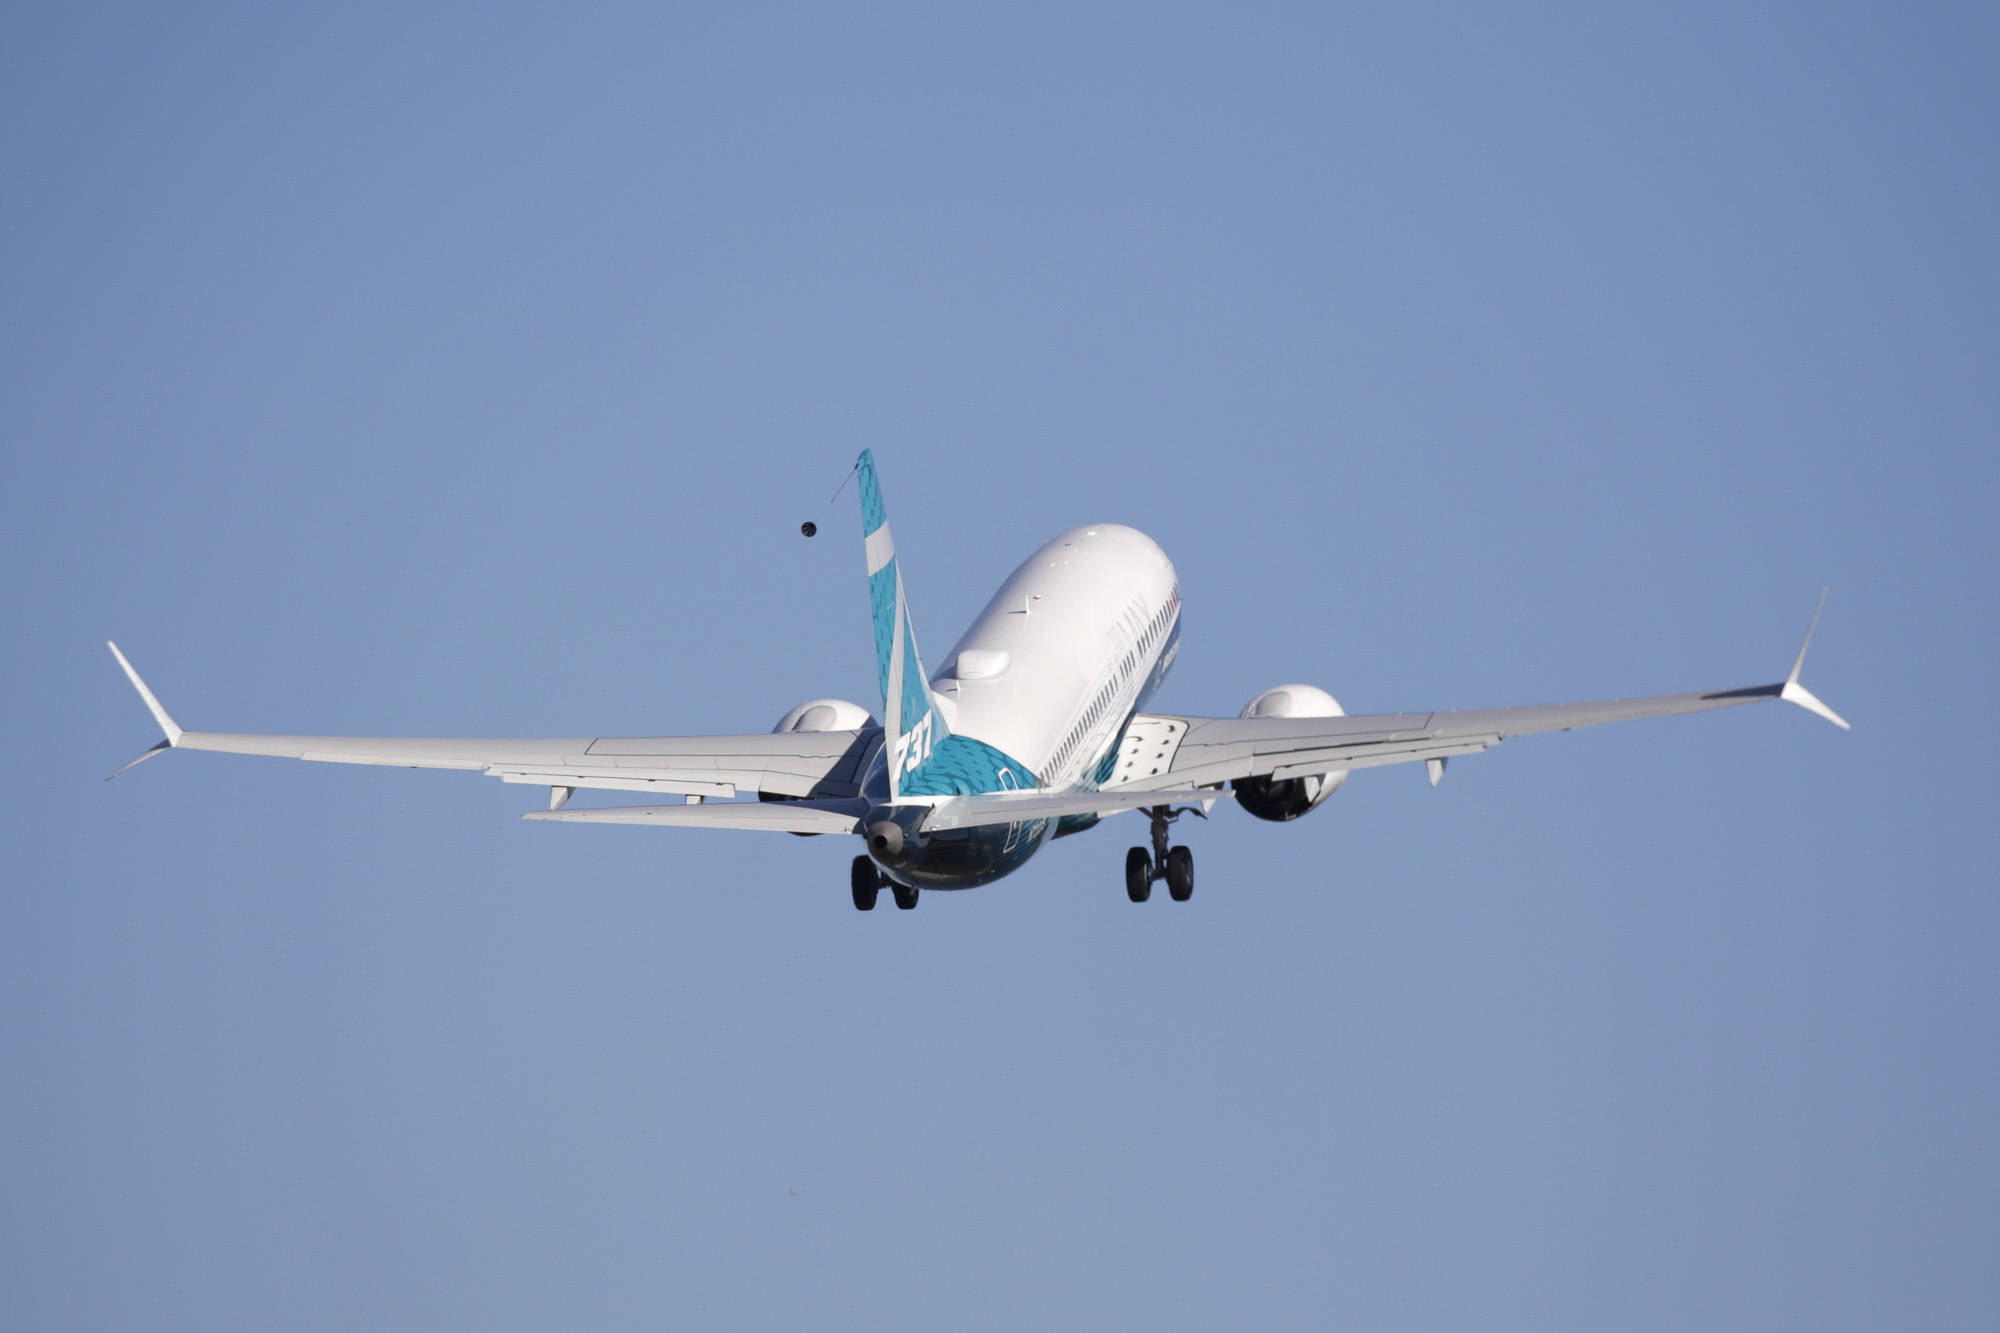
point(457, 371)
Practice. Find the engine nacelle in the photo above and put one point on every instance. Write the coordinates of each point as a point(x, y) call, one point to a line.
point(825, 715)
point(1288, 798)
point(819, 715)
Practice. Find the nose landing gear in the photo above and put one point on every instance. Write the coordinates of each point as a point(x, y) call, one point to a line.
point(1175, 865)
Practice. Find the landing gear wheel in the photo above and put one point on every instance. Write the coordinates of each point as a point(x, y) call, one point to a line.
point(1138, 875)
point(867, 883)
point(1180, 874)
point(905, 898)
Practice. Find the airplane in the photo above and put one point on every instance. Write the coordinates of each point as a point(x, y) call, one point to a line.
point(1035, 729)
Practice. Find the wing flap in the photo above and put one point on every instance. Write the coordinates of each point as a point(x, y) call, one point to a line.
point(973, 811)
point(1346, 760)
point(666, 784)
point(825, 764)
point(769, 816)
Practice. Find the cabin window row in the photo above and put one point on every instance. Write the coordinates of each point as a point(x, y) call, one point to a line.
point(1095, 712)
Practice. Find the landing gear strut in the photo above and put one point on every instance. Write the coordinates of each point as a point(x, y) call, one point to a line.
point(1175, 865)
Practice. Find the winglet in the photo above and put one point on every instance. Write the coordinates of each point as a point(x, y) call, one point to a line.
point(167, 724)
point(1799, 694)
point(157, 747)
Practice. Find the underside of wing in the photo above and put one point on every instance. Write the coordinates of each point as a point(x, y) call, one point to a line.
point(1161, 752)
point(1176, 752)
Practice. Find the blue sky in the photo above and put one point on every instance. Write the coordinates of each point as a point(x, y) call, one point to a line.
point(469, 372)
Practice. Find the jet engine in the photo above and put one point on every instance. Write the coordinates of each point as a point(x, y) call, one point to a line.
point(1278, 799)
point(824, 715)
point(819, 715)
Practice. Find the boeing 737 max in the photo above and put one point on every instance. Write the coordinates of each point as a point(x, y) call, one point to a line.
point(1035, 729)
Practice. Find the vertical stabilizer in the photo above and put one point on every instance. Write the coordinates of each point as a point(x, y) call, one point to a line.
point(909, 713)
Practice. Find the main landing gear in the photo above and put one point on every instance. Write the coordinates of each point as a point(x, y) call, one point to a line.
point(1175, 865)
point(867, 882)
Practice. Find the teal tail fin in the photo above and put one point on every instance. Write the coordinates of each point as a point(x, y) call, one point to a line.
point(910, 715)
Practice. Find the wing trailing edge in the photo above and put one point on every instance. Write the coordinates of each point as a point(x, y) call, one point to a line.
point(839, 816)
point(973, 811)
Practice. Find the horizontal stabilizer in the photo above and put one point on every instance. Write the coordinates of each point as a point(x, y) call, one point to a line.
point(843, 816)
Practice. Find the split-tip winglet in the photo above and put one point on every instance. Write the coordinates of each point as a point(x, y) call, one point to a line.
point(167, 724)
point(1793, 692)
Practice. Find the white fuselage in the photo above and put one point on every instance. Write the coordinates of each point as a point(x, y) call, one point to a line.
point(1075, 641)
point(1072, 643)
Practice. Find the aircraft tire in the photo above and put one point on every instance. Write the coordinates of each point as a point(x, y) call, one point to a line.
point(1180, 874)
point(905, 898)
point(1138, 875)
point(867, 883)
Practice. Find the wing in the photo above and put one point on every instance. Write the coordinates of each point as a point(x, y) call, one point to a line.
point(1174, 753)
point(819, 764)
